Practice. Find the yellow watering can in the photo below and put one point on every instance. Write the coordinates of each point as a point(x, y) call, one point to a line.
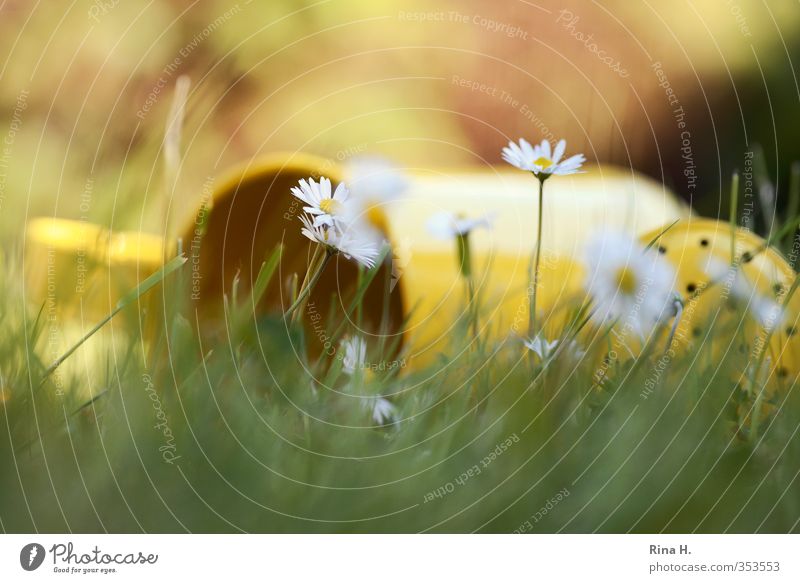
point(251, 210)
point(83, 269)
point(702, 251)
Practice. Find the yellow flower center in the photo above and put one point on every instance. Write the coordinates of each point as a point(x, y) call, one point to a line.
point(626, 280)
point(329, 206)
point(543, 162)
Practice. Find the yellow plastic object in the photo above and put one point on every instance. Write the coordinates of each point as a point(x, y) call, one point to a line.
point(574, 208)
point(80, 269)
point(75, 272)
point(700, 250)
point(251, 210)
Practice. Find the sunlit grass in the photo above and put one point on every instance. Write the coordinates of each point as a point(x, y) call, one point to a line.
point(245, 431)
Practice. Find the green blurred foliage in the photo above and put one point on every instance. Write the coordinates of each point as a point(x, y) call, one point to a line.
point(254, 444)
point(330, 77)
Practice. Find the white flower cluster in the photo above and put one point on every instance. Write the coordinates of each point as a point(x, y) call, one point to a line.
point(380, 408)
point(329, 221)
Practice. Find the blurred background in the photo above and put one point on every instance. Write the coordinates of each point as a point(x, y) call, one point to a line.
point(683, 91)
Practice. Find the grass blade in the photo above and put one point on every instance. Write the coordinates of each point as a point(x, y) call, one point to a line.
point(793, 206)
point(124, 302)
point(734, 213)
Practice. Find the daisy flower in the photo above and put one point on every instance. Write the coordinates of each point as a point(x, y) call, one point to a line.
point(540, 159)
point(375, 180)
point(446, 225)
point(381, 409)
point(349, 243)
point(544, 348)
point(355, 354)
point(628, 284)
point(766, 311)
point(543, 163)
point(320, 203)
point(541, 346)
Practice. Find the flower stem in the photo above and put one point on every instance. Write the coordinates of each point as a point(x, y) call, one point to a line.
point(465, 263)
point(535, 271)
point(304, 293)
point(761, 355)
point(734, 213)
point(678, 305)
point(315, 259)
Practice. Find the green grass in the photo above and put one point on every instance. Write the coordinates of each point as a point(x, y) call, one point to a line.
point(251, 446)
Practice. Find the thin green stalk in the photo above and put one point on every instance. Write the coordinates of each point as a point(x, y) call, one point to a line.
point(755, 418)
point(734, 213)
point(765, 189)
point(537, 256)
point(293, 287)
point(359, 307)
point(663, 232)
point(304, 293)
point(241, 314)
point(473, 302)
point(387, 290)
point(793, 206)
point(465, 264)
point(172, 145)
point(675, 322)
point(369, 276)
point(312, 265)
point(265, 275)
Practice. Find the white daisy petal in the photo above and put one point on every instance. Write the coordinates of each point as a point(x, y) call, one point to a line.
point(342, 193)
point(527, 151)
point(305, 193)
point(570, 165)
point(355, 354)
point(383, 411)
point(350, 243)
point(515, 156)
point(323, 220)
point(541, 159)
point(544, 348)
point(559, 150)
point(541, 346)
point(324, 187)
point(546, 149)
